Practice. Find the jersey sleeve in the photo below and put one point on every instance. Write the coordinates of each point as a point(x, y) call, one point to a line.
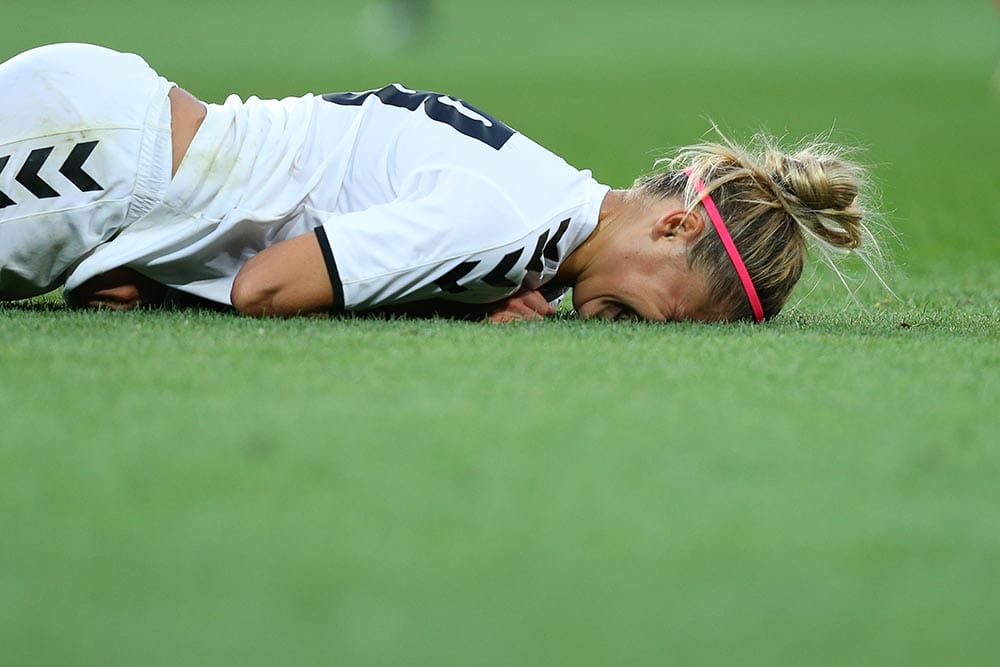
point(450, 234)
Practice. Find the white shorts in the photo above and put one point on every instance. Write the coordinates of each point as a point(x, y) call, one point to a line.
point(85, 151)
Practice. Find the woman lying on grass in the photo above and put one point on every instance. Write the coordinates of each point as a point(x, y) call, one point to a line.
point(117, 184)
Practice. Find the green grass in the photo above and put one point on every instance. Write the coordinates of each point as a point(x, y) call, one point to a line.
point(188, 488)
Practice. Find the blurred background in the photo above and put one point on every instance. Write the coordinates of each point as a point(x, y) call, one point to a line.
point(610, 86)
point(177, 489)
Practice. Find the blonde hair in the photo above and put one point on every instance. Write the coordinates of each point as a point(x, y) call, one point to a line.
point(775, 204)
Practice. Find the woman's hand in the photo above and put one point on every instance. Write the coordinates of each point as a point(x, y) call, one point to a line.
point(526, 305)
point(118, 289)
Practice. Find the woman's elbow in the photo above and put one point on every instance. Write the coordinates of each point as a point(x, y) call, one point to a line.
point(286, 279)
point(253, 293)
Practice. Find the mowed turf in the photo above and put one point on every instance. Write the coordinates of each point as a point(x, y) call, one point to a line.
point(194, 488)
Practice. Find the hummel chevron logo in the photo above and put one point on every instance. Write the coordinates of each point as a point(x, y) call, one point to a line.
point(498, 276)
point(29, 178)
point(449, 281)
point(544, 247)
point(72, 169)
point(5, 201)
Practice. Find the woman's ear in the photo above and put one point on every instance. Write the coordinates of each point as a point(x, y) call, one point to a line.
point(679, 224)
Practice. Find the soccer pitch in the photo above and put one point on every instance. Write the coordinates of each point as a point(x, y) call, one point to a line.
point(188, 488)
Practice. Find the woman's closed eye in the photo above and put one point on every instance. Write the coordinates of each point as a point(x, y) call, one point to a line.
point(626, 314)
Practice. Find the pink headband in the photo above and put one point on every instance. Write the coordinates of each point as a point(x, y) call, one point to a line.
point(727, 241)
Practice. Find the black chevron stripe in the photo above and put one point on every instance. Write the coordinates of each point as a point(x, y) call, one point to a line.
point(552, 248)
point(29, 178)
point(5, 201)
point(536, 258)
point(72, 168)
point(449, 281)
point(498, 276)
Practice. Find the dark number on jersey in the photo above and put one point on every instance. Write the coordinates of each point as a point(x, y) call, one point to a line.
point(438, 107)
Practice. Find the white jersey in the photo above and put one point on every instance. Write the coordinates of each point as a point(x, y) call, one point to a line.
point(411, 196)
point(439, 200)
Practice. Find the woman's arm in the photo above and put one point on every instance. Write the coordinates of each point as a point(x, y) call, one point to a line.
point(288, 278)
point(291, 278)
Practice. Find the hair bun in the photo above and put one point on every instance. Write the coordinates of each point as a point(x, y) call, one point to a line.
point(820, 191)
point(819, 183)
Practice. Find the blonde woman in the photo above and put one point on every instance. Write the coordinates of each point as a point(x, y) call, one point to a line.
point(117, 183)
